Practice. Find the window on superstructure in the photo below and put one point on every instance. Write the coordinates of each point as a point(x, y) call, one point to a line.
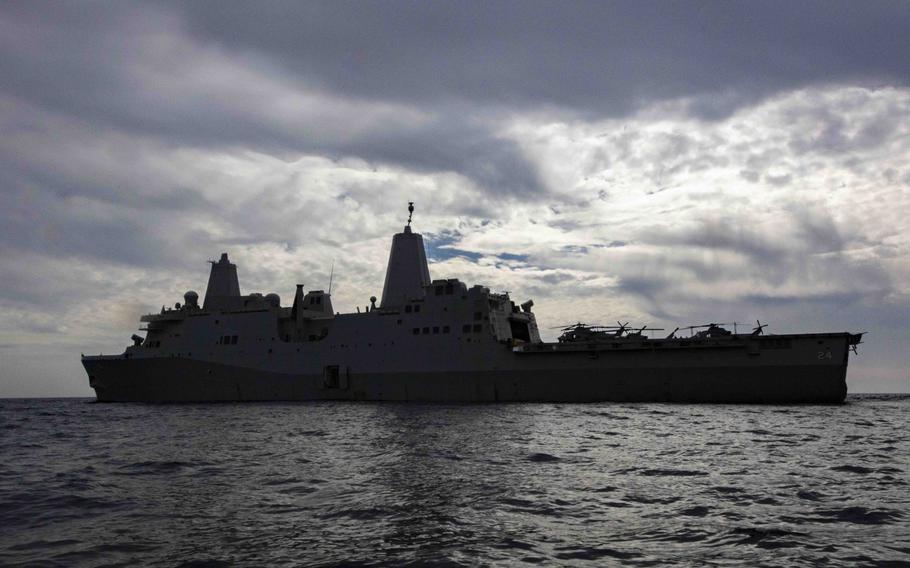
point(477, 328)
point(439, 290)
point(450, 289)
point(478, 315)
point(233, 340)
point(407, 309)
point(426, 330)
point(416, 331)
point(331, 377)
point(466, 328)
point(445, 329)
point(417, 308)
point(435, 329)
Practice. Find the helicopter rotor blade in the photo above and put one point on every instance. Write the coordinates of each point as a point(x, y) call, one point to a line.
point(568, 326)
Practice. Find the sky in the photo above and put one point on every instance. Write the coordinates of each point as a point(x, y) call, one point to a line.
point(664, 163)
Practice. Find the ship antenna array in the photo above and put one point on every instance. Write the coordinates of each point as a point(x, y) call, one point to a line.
point(410, 211)
point(331, 277)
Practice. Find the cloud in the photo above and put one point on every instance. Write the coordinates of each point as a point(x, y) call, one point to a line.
point(137, 70)
point(592, 58)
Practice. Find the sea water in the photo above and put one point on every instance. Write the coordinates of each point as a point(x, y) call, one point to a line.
point(276, 484)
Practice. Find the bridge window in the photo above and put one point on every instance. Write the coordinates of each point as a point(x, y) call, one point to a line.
point(520, 331)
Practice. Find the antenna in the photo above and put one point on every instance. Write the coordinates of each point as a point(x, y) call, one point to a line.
point(410, 211)
point(331, 277)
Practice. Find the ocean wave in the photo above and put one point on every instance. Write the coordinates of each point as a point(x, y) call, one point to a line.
point(387, 484)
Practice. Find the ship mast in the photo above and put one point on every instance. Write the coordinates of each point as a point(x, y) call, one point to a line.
point(407, 271)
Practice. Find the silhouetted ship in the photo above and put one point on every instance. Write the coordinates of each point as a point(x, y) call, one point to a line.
point(442, 341)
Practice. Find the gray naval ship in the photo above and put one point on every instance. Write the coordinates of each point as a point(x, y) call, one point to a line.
point(439, 340)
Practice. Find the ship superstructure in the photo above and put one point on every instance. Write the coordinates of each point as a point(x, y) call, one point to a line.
point(440, 340)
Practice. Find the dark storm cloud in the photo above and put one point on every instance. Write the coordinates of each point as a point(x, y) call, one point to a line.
point(132, 68)
point(719, 234)
point(148, 68)
point(604, 58)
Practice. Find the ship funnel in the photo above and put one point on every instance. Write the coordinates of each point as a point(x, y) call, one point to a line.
point(407, 272)
point(223, 285)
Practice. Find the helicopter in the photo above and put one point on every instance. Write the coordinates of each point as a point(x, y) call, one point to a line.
point(583, 332)
point(640, 332)
point(580, 331)
point(710, 330)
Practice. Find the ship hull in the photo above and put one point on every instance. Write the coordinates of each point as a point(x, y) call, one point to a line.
point(547, 377)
